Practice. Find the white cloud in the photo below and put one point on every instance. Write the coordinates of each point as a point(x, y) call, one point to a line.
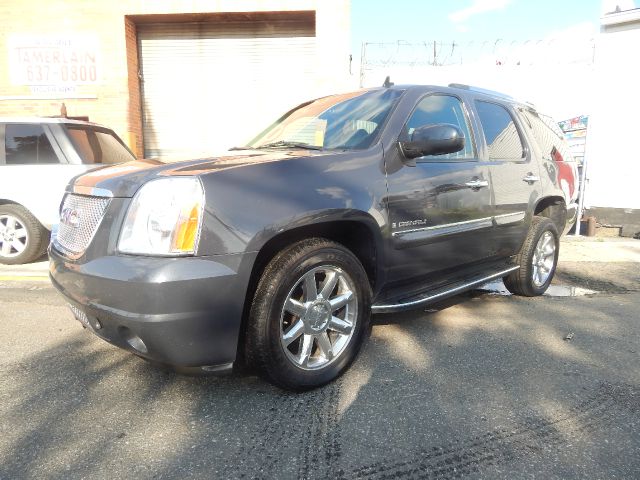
point(478, 6)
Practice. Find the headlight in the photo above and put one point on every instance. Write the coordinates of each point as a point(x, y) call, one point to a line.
point(164, 218)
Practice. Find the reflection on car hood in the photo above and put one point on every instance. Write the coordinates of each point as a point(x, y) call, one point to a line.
point(124, 179)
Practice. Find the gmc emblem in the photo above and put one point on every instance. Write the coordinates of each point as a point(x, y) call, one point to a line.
point(70, 217)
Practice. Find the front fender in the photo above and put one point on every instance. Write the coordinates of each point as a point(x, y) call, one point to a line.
point(247, 206)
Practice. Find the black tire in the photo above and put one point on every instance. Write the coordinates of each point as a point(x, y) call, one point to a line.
point(37, 236)
point(522, 282)
point(267, 319)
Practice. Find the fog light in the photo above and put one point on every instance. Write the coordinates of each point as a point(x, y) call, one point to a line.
point(80, 316)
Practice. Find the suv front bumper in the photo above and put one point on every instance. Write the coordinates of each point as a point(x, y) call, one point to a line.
point(179, 311)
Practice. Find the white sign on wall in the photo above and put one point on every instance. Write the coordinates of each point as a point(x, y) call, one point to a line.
point(54, 63)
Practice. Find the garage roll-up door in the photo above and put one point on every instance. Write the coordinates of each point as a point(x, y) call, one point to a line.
point(210, 86)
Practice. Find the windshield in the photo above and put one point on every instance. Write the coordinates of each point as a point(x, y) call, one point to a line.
point(348, 121)
point(98, 145)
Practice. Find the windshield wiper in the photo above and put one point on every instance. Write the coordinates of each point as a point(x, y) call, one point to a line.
point(246, 147)
point(288, 144)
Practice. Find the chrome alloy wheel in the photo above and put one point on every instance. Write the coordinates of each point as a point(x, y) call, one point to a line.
point(13, 236)
point(543, 259)
point(318, 318)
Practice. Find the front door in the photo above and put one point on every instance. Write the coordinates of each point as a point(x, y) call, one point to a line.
point(440, 209)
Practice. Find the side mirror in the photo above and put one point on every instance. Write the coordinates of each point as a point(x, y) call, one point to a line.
point(436, 139)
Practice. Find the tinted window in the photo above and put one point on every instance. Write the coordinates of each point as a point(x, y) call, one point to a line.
point(442, 109)
point(548, 135)
point(500, 132)
point(98, 146)
point(347, 121)
point(27, 144)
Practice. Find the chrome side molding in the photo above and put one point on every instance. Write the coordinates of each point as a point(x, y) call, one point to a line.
point(477, 184)
point(508, 218)
point(449, 227)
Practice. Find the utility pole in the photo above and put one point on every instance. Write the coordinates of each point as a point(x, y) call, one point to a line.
point(582, 184)
point(363, 53)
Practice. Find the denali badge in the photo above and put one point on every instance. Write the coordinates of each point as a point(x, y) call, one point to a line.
point(410, 223)
point(70, 217)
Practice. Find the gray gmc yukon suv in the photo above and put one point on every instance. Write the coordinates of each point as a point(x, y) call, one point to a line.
point(276, 254)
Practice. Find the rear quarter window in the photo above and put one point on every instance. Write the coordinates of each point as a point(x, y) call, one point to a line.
point(547, 135)
point(98, 145)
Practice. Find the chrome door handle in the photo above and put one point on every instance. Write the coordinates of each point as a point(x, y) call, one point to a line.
point(530, 178)
point(476, 184)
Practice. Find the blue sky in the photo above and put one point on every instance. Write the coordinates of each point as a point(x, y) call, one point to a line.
point(467, 20)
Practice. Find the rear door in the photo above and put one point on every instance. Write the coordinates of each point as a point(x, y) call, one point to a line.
point(440, 209)
point(514, 175)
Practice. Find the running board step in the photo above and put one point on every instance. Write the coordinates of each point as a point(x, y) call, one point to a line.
point(440, 293)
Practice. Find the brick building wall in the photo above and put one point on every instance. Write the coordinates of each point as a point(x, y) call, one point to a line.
point(115, 99)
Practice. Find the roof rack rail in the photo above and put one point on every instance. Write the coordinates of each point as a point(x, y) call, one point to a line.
point(471, 88)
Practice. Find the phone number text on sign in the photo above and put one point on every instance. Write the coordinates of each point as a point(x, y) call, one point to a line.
point(36, 60)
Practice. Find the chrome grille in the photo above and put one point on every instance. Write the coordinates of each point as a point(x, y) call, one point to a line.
point(80, 216)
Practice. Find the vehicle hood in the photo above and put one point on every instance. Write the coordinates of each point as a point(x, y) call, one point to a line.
point(124, 179)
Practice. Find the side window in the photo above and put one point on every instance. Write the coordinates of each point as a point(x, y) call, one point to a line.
point(443, 109)
point(500, 132)
point(98, 146)
point(543, 135)
point(86, 147)
point(547, 135)
point(27, 144)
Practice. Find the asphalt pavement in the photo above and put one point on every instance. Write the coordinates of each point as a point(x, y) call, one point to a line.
point(485, 385)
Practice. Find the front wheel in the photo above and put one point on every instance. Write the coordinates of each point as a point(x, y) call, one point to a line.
point(537, 258)
point(310, 314)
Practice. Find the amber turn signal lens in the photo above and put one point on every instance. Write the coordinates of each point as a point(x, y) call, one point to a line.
point(187, 230)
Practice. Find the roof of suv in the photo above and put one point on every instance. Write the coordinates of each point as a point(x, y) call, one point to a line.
point(47, 120)
point(481, 92)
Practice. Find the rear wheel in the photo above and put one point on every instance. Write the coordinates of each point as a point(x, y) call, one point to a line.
point(309, 315)
point(537, 258)
point(22, 238)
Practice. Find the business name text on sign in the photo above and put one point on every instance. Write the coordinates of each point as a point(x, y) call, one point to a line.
point(54, 61)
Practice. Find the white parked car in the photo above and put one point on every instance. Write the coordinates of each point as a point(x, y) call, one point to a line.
point(38, 157)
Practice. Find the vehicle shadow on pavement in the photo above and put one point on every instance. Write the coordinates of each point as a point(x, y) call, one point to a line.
point(478, 384)
point(48, 399)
